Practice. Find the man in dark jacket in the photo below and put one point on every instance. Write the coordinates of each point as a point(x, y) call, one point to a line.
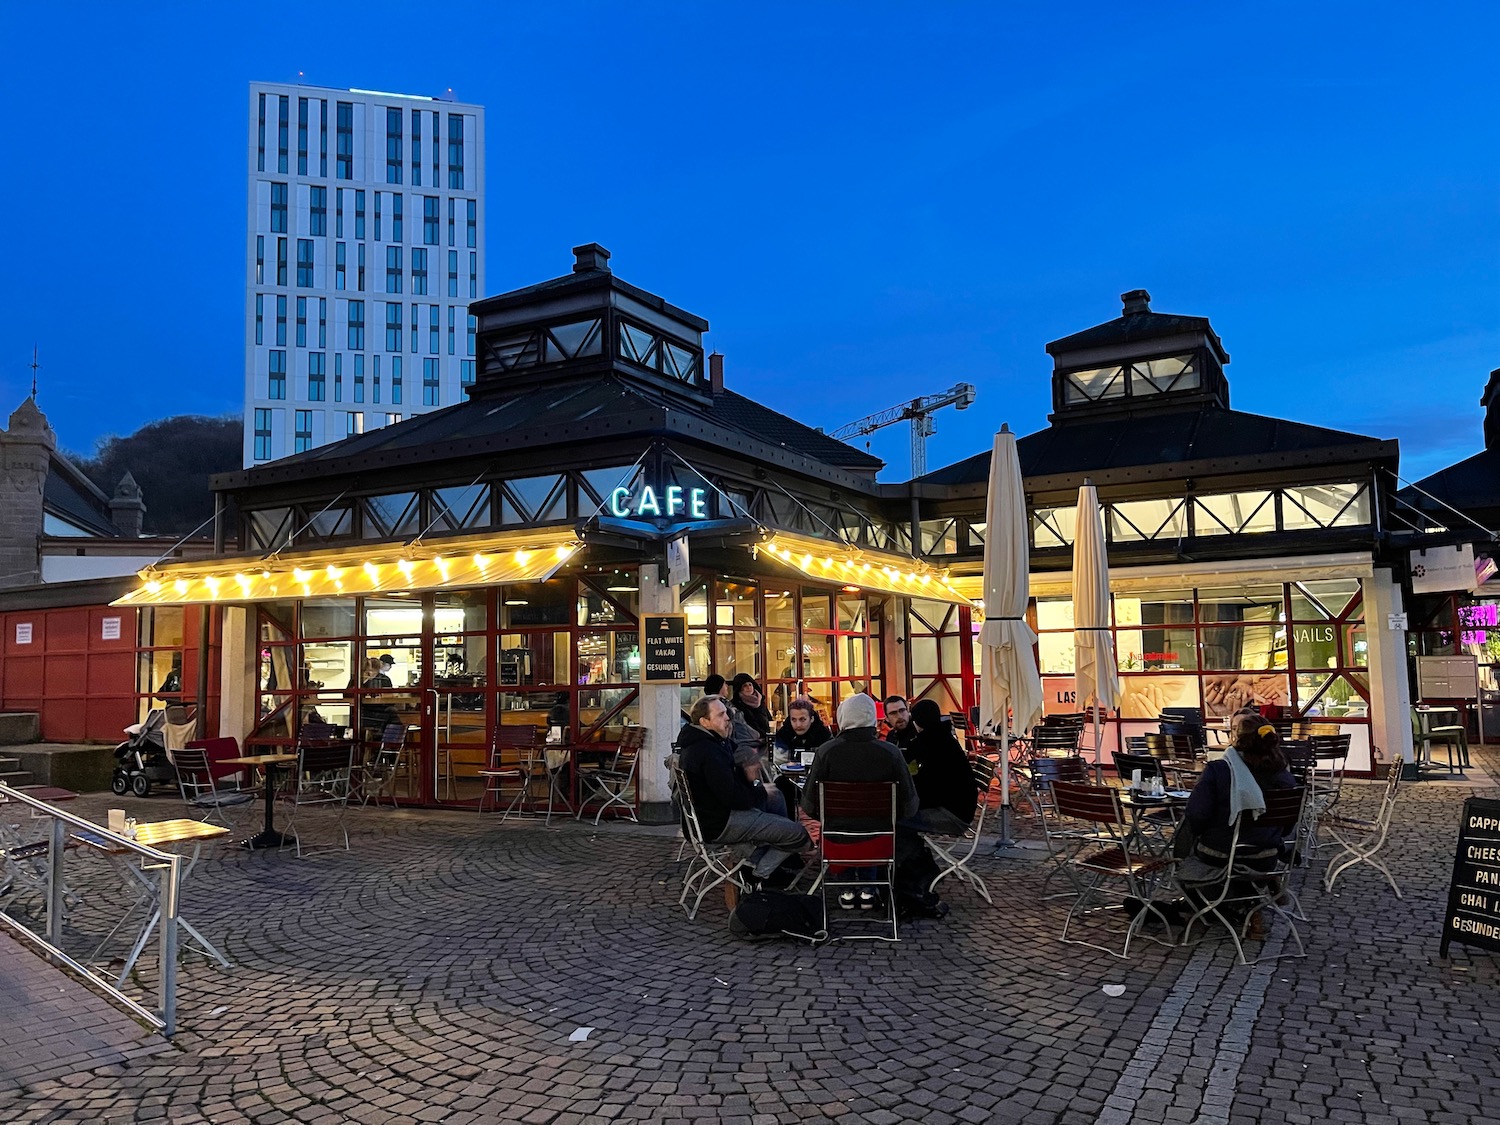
point(733, 805)
point(900, 732)
point(857, 753)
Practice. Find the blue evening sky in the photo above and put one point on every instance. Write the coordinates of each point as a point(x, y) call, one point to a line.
point(868, 201)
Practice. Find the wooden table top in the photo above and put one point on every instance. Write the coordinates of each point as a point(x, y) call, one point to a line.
point(175, 831)
point(258, 759)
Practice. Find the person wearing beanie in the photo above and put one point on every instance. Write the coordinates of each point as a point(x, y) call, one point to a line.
point(945, 781)
point(857, 753)
point(714, 685)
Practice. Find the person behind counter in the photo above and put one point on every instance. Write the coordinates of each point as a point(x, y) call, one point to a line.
point(803, 730)
point(376, 715)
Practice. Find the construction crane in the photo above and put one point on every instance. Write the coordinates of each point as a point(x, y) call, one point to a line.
point(919, 413)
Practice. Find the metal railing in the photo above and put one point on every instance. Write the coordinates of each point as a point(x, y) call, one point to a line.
point(16, 851)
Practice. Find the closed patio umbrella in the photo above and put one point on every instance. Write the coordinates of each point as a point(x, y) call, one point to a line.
point(1012, 688)
point(1095, 673)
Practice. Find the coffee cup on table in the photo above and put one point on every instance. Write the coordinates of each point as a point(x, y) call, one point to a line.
point(1135, 781)
point(807, 756)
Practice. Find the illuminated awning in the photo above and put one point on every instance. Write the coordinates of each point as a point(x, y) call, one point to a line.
point(375, 568)
point(1240, 572)
point(864, 567)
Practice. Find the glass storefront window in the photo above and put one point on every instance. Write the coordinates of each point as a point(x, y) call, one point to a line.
point(610, 597)
point(612, 657)
point(161, 626)
point(853, 614)
point(540, 656)
point(817, 609)
point(536, 603)
point(606, 711)
point(1319, 601)
point(1325, 505)
point(1248, 648)
point(460, 611)
point(1235, 513)
point(781, 655)
point(1054, 527)
point(695, 605)
point(781, 609)
point(735, 604)
point(1134, 520)
point(817, 656)
point(1247, 603)
point(330, 618)
point(737, 652)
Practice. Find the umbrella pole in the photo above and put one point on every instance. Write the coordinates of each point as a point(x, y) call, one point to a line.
point(1098, 747)
point(1005, 841)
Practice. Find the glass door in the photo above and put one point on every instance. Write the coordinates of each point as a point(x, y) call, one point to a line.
point(457, 723)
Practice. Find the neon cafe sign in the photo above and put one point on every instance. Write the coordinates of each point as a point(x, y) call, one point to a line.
point(672, 501)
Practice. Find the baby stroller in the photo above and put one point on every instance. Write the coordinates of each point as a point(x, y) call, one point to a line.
point(144, 759)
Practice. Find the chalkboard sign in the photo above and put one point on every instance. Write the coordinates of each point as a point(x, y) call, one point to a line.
point(664, 648)
point(510, 673)
point(1473, 916)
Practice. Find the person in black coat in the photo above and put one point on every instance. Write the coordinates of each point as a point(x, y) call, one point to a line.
point(803, 730)
point(733, 805)
point(945, 780)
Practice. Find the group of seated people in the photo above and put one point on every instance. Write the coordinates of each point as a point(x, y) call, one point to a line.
point(721, 751)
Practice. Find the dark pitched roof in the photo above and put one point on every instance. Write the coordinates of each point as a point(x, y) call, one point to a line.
point(583, 280)
point(1472, 484)
point(564, 413)
point(71, 496)
point(1135, 327)
point(1170, 437)
point(750, 417)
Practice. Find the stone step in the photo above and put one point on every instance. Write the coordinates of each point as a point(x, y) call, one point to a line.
point(14, 778)
point(18, 728)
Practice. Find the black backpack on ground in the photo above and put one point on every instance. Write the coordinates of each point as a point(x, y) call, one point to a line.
point(770, 914)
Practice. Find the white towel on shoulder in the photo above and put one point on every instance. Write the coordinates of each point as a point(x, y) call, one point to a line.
point(1244, 791)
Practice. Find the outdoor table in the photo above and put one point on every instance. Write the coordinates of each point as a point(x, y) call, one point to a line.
point(158, 835)
point(268, 837)
point(1173, 800)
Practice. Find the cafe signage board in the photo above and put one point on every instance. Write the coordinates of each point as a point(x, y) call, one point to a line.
point(1473, 915)
point(664, 648)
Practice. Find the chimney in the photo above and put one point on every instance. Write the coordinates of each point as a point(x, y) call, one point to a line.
point(1490, 400)
point(1136, 301)
point(590, 257)
point(716, 373)
point(127, 511)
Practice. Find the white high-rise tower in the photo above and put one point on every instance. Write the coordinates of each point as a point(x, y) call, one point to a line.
point(364, 247)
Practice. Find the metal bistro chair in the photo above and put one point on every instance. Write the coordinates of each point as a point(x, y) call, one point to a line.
point(611, 785)
point(1260, 889)
point(710, 865)
point(1453, 739)
point(1115, 862)
point(376, 779)
point(953, 853)
point(857, 833)
point(513, 763)
point(1330, 754)
point(1064, 841)
point(199, 771)
point(1360, 840)
point(321, 781)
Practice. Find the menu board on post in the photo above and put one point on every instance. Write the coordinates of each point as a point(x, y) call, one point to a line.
point(1473, 916)
point(664, 648)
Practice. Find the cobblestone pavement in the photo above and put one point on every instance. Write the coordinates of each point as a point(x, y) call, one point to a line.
point(437, 971)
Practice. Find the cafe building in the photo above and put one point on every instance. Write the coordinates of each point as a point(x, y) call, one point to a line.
point(1248, 559)
point(1453, 515)
point(502, 552)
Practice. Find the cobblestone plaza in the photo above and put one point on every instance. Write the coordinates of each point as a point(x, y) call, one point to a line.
point(437, 970)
